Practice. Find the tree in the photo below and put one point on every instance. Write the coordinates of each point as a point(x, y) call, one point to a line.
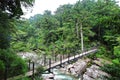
point(8, 10)
point(107, 23)
point(83, 20)
point(13, 7)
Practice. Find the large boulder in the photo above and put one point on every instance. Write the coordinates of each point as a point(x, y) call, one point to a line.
point(80, 67)
point(95, 73)
point(77, 68)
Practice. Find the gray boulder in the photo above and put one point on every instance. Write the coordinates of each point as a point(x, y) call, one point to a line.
point(95, 73)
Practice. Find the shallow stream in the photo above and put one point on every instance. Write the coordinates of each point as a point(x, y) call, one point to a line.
point(60, 75)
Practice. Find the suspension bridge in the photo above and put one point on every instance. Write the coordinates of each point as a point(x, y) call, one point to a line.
point(50, 64)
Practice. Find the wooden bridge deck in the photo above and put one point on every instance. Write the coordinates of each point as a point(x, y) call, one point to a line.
point(30, 73)
point(70, 59)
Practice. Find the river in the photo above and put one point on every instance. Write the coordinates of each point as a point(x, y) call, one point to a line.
point(59, 75)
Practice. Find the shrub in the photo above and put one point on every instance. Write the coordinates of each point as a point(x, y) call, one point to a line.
point(40, 70)
point(10, 61)
point(113, 70)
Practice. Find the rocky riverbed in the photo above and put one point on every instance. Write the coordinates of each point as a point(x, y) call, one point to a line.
point(87, 69)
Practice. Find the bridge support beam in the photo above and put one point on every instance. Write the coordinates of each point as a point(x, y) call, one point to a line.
point(68, 57)
point(33, 71)
point(60, 60)
point(29, 64)
point(44, 60)
point(49, 65)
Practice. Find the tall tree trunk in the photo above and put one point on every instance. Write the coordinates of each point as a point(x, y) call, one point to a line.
point(81, 33)
point(77, 29)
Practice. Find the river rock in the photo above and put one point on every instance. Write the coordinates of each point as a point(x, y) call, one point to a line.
point(95, 73)
point(86, 77)
point(87, 60)
point(68, 67)
point(72, 71)
point(92, 73)
point(80, 67)
point(101, 62)
point(77, 68)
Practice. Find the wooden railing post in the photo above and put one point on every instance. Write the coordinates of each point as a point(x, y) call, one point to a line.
point(60, 60)
point(63, 56)
point(74, 56)
point(55, 57)
point(29, 65)
point(49, 64)
point(33, 71)
point(68, 57)
point(44, 59)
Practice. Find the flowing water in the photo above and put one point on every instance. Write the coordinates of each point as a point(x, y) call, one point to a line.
point(59, 75)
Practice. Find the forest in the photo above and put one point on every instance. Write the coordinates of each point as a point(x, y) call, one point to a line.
point(98, 20)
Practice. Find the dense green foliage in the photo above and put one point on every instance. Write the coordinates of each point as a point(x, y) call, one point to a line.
point(113, 70)
point(99, 20)
point(12, 64)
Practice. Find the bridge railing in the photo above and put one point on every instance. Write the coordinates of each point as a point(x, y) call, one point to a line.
point(47, 60)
